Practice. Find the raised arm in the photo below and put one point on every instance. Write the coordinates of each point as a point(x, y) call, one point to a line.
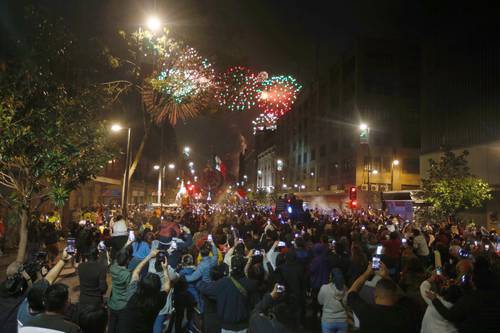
point(138, 269)
point(166, 284)
point(56, 270)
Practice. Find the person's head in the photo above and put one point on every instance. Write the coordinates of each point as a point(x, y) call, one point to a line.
point(148, 291)
point(237, 266)
point(256, 273)
point(205, 249)
point(187, 260)
point(416, 232)
point(283, 311)
point(93, 319)
point(218, 272)
point(394, 235)
point(92, 254)
point(122, 258)
point(36, 296)
point(118, 218)
point(239, 249)
point(386, 292)
point(56, 298)
point(337, 278)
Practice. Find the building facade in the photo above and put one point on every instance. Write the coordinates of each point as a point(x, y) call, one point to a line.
point(461, 111)
point(375, 83)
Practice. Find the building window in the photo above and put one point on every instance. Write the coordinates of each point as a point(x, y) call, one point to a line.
point(411, 165)
point(313, 154)
point(304, 159)
point(298, 159)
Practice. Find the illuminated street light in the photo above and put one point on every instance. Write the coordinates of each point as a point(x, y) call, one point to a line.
point(187, 150)
point(171, 166)
point(153, 23)
point(284, 186)
point(312, 174)
point(259, 172)
point(395, 162)
point(245, 177)
point(295, 185)
point(125, 186)
point(156, 167)
point(302, 186)
point(363, 127)
point(191, 164)
point(375, 172)
point(116, 127)
point(192, 171)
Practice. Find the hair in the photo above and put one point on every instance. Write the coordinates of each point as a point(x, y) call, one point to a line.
point(218, 272)
point(92, 254)
point(237, 265)
point(205, 249)
point(239, 249)
point(394, 235)
point(187, 260)
point(36, 296)
point(387, 288)
point(337, 278)
point(118, 217)
point(56, 297)
point(358, 256)
point(93, 319)
point(416, 232)
point(122, 258)
point(148, 291)
point(285, 315)
point(257, 273)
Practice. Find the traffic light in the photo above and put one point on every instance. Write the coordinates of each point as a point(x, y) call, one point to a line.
point(353, 193)
point(353, 204)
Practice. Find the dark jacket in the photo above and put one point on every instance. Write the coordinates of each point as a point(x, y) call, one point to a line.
point(477, 311)
point(320, 267)
point(233, 308)
point(260, 322)
point(93, 284)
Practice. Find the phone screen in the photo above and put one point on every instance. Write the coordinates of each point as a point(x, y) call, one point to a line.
point(173, 245)
point(379, 250)
point(404, 241)
point(280, 288)
point(281, 244)
point(439, 271)
point(70, 246)
point(101, 246)
point(209, 238)
point(375, 263)
point(131, 235)
point(257, 253)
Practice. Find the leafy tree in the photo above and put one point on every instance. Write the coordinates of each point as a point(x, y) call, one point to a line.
point(450, 187)
point(53, 138)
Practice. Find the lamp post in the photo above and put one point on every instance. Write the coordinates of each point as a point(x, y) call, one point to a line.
point(393, 164)
point(125, 187)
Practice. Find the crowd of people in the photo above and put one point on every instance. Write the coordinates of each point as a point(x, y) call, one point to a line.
point(245, 268)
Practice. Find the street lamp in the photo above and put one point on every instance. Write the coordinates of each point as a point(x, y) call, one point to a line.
point(125, 187)
point(153, 23)
point(187, 150)
point(156, 167)
point(363, 126)
point(393, 164)
point(171, 166)
point(375, 172)
point(312, 174)
point(191, 164)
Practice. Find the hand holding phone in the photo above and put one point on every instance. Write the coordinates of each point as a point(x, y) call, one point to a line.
point(375, 263)
point(280, 288)
point(131, 236)
point(209, 238)
point(70, 246)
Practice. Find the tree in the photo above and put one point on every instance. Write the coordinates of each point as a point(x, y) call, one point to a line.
point(451, 188)
point(53, 138)
point(173, 81)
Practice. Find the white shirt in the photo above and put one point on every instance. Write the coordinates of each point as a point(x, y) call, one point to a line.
point(433, 322)
point(420, 245)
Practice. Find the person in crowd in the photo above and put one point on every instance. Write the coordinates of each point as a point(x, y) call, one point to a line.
point(140, 249)
point(50, 238)
point(211, 322)
point(333, 298)
point(387, 314)
point(119, 234)
point(120, 280)
point(207, 262)
point(433, 321)
point(420, 247)
point(146, 297)
point(33, 304)
point(319, 273)
point(232, 296)
point(357, 263)
point(392, 253)
point(92, 276)
point(272, 314)
point(93, 319)
point(477, 310)
point(55, 301)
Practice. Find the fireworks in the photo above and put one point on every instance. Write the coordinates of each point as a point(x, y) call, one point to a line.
point(264, 122)
point(237, 89)
point(277, 95)
point(183, 74)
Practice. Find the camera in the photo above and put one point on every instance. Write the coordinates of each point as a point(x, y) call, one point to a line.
point(257, 253)
point(70, 246)
point(375, 263)
point(280, 288)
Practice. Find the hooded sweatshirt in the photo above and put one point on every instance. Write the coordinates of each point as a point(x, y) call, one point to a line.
point(120, 277)
point(330, 297)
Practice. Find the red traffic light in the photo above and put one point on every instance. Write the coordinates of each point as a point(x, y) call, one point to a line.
point(353, 204)
point(353, 193)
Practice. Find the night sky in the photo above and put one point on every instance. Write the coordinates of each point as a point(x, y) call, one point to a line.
point(278, 36)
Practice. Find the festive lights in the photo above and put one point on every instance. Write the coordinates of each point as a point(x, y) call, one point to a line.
point(264, 122)
point(277, 95)
point(237, 89)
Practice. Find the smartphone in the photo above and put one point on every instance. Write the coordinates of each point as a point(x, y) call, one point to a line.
point(257, 253)
point(333, 242)
point(240, 240)
point(161, 256)
point(209, 238)
point(403, 241)
point(101, 246)
point(268, 222)
point(475, 243)
point(439, 271)
point(70, 246)
point(131, 235)
point(379, 250)
point(363, 228)
point(280, 288)
point(281, 244)
point(487, 247)
point(232, 228)
point(375, 263)
point(173, 245)
point(296, 235)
